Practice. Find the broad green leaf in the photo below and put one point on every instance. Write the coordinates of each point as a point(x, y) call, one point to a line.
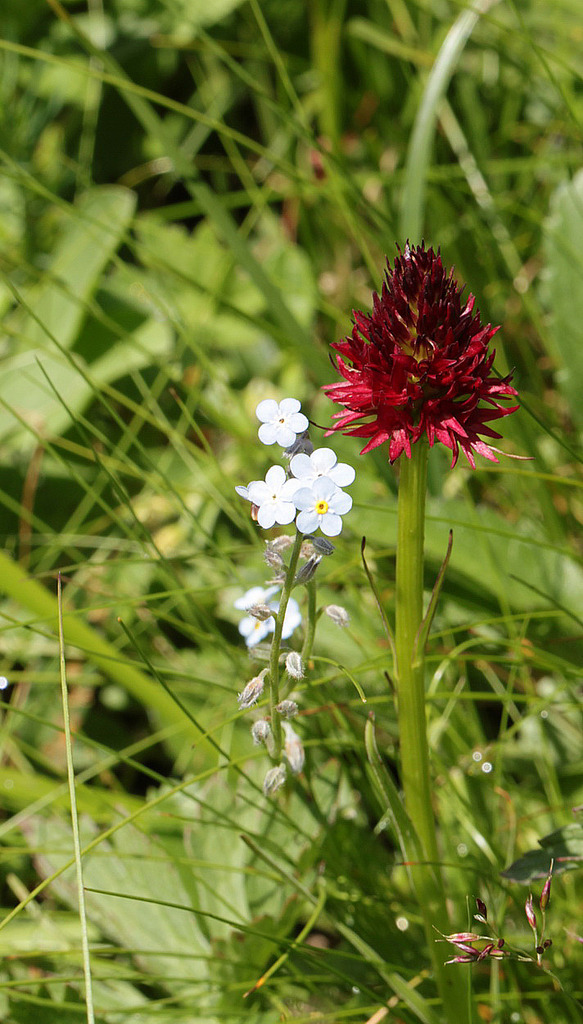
point(56, 306)
point(45, 390)
point(564, 847)
point(20, 790)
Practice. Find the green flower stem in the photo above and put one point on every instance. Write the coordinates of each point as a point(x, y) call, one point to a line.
point(415, 776)
point(276, 644)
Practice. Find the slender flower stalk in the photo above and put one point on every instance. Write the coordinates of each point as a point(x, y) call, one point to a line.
point(274, 697)
point(415, 774)
point(410, 662)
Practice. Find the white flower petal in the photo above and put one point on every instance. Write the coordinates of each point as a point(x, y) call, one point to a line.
point(307, 521)
point(275, 477)
point(258, 492)
point(288, 406)
point(324, 489)
point(340, 503)
point(299, 422)
point(255, 595)
point(322, 461)
point(301, 466)
point(267, 433)
point(330, 524)
point(292, 618)
point(342, 474)
point(285, 435)
point(290, 489)
point(266, 516)
point(267, 410)
point(285, 512)
point(304, 499)
point(254, 631)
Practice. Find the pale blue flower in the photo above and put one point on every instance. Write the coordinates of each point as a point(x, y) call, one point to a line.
point(280, 421)
point(322, 462)
point(321, 506)
point(273, 498)
point(255, 630)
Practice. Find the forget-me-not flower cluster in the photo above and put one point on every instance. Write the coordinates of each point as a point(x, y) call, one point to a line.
point(311, 493)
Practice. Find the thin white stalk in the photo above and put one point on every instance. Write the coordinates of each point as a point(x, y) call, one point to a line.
point(74, 816)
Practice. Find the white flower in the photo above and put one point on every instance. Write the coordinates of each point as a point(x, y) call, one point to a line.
point(280, 421)
point(273, 498)
point(322, 462)
point(321, 505)
point(254, 630)
point(253, 596)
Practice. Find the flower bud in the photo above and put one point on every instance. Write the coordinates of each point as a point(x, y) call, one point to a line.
point(530, 914)
point(280, 544)
point(457, 937)
point(293, 749)
point(301, 444)
point(287, 708)
point(307, 549)
point(485, 951)
point(338, 615)
point(262, 612)
point(260, 732)
point(323, 546)
point(482, 909)
point(252, 691)
point(546, 893)
point(294, 665)
point(274, 780)
point(305, 574)
point(273, 558)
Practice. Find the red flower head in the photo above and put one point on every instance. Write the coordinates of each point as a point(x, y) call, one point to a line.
point(419, 365)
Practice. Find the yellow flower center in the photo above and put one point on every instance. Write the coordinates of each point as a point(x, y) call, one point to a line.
point(321, 507)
